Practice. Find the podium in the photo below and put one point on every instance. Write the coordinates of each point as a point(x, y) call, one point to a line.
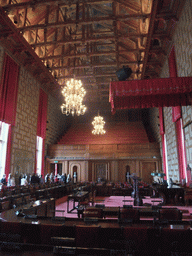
point(137, 198)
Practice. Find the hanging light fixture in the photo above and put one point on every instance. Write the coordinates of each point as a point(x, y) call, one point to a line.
point(73, 93)
point(98, 124)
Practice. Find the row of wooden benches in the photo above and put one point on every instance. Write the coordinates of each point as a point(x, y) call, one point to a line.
point(16, 196)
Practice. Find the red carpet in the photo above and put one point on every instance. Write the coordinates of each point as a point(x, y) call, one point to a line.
point(118, 201)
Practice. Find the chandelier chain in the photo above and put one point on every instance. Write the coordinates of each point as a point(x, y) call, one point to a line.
point(73, 93)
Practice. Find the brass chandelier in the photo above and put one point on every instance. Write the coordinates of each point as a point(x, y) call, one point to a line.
point(73, 93)
point(98, 124)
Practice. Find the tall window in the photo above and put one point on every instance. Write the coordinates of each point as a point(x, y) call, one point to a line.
point(166, 162)
point(4, 129)
point(41, 131)
point(39, 149)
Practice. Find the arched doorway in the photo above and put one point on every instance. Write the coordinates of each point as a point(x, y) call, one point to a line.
point(74, 173)
point(127, 173)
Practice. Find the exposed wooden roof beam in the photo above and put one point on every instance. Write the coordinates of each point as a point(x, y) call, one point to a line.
point(150, 34)
point(99, 65)
point(78, 55)
point(31, 4)
point(85, 22)
point(110, 75)
point(90, 39)
point(134, 6)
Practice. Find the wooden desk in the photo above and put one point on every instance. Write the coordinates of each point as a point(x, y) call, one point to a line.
point(77, 197)
point(111, 211)
point(128, 201)
point(44, 208)
point(173, 194)
point(40, 231)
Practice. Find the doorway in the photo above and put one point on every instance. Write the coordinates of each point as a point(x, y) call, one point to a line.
point(56, 168)
point(75, 178)
point(101, 172)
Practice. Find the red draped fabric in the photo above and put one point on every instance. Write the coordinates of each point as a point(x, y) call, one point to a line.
point(161, 121)
point(162, 92)
point(42, 122)
point(8, 101)
point(181, 149)
point(42, 114)
point(172, 63)
point(176, 113)
point(8, 90)
point(177, 118)
point(162, 133)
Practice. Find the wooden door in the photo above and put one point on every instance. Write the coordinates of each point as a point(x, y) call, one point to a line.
point(147, 169)
point(101, 171)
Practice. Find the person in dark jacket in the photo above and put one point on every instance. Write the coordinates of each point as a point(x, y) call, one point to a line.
point(3, 180)
point(34, 179)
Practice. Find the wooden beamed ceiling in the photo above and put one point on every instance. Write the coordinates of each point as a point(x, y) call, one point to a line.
point(91, 39)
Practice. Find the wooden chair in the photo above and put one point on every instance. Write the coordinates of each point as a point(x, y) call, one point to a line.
point(92, 198)
point(188, 196)
point(129, 215)
point(93, 212)
point(18, 201)
point(86, 201)
point(27, 199)
point(170, 214)
point(5, 206)
point(136, 240)
point(87, 236)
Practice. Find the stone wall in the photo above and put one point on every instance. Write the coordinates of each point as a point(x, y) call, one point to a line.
point(183, 49)
point(187, 118)
point(154, 123)
point(25, 130)
point(57, 122)
point(182, 41)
